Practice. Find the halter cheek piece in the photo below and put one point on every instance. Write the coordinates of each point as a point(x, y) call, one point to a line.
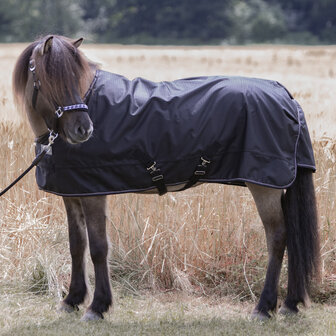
point(37, 83)
point(59, 110)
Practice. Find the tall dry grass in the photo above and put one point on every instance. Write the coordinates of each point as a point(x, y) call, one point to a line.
point(208, 239)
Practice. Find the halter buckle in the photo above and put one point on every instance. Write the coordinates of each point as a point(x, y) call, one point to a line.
point(37, 84)
point(59, 112)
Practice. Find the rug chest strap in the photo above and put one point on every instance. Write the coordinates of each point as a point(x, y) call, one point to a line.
point(200, 171)
point(157, 178)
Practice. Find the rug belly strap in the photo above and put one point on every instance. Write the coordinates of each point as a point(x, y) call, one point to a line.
point(200, 171)
point(157, 178)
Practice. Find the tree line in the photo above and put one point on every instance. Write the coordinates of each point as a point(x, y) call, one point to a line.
point(172, 21)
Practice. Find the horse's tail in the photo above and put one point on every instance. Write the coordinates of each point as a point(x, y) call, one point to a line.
point(299, 206)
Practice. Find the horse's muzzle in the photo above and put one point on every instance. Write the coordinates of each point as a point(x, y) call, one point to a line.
point(81, 132)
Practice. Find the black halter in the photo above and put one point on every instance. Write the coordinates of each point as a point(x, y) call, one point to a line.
point(59, 110)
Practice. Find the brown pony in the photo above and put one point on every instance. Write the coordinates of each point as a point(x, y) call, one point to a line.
point(50, 80)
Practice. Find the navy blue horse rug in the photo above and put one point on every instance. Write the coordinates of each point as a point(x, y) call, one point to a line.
point(209, 129)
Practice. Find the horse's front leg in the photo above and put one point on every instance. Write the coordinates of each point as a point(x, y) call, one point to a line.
point(268, 202)
point(94, 210)
point(78, 242)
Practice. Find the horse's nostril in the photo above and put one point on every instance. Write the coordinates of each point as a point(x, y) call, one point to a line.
point(82, 132)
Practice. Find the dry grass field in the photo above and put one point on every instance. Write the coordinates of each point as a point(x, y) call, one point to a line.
point(204, 241)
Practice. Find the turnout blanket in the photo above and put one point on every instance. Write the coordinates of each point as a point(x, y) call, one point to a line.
point(241, 129)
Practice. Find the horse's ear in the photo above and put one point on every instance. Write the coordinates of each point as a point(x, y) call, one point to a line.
point(47, 45)
point(78, 42)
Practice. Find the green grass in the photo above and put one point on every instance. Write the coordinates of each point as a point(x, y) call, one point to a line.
point(161, 314)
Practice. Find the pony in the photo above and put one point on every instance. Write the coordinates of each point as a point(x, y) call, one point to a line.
point(53, 81)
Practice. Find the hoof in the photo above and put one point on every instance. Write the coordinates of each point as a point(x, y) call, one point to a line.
point(260, 316)
point(64, 307)
point(90, 315)
point(285, 310)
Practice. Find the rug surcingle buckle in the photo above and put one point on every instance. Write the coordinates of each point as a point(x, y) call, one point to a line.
point(157, 178)
point(202, 167)
point(155, 172)
point(153, 168)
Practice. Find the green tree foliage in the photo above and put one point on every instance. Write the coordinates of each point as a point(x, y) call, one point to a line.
point(8, 16)
point(159, 21)
point(257, 21)
point(317, 17)
point(171, 21)
point(26, 20)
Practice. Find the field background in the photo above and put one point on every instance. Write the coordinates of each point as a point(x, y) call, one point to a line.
point(204, 241)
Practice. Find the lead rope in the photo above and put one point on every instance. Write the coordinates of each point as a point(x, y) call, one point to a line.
point(38, 158)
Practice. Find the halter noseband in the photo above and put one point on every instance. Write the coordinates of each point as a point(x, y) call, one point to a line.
point(59, 110)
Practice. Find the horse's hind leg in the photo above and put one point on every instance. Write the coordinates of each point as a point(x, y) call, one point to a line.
point(78, 242)
point(268, 202)
point(94, 211)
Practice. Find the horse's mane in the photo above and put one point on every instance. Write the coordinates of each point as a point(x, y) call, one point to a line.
point(61, 69)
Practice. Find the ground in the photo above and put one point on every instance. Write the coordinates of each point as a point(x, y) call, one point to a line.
point(159, 314)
